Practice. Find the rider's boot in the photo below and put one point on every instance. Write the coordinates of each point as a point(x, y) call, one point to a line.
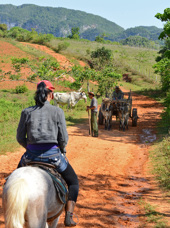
point(69, 214)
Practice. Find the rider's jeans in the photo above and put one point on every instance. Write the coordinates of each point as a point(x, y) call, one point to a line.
point(52, 156)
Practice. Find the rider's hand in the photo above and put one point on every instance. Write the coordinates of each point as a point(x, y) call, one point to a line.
point(63, 151)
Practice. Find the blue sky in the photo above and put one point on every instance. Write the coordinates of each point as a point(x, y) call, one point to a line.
point(125, 13)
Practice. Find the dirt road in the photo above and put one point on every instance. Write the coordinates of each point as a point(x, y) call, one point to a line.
point(111, 170)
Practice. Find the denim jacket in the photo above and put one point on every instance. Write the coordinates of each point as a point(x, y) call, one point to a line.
point(44, 124)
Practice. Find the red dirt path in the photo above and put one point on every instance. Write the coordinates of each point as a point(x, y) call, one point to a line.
point(112, 170)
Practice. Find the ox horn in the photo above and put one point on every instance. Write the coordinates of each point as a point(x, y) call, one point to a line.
point(80, 89)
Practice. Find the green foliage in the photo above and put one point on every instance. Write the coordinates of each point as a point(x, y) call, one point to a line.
point(163, 65)
point(149, 32)
point(75, 33)
point(153, 216)
point(16, 32)
point(101, 57)
point(81, 74)
point(164, 51)
point(99, 39)
point(48, 70)
point(75, 85)
point(164, 125)
point(138, 41)
point(102, 53)
point(165, 17)
point(2, 34)
point(11, 105)
point(23, 35)
point(160, 156)
point(45, 69)
point(57, 21)
point(3, 27)
point(21, 89)
point(107, 79)
point(62, 46)
point(163, 68)
point(15, 77)
point(18, 63)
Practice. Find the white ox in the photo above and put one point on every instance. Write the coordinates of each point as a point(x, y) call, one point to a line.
point(70, 98)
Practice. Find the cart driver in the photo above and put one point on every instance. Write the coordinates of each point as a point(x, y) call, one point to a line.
point(117, 94)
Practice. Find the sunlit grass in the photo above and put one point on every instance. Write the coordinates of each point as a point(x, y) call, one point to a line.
point(11, 106)
point(152, 216)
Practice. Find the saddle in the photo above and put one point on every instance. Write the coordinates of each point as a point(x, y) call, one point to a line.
point(59, 182)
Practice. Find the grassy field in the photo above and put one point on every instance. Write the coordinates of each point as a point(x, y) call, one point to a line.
point(137, 62)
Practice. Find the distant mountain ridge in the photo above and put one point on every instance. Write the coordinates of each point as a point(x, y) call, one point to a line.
point(59, 21)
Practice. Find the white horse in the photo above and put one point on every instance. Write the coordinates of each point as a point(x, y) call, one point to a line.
point(30, 199)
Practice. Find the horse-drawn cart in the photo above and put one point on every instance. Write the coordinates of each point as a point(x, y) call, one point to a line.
point(121, 108)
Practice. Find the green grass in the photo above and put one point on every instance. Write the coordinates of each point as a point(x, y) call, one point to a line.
point(137, 62)
point(152, 216)
point(11, 106)
point(29, 50)
point(160, 156)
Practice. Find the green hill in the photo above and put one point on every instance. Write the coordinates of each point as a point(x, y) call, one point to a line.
point(149, 32)
point(59, 21)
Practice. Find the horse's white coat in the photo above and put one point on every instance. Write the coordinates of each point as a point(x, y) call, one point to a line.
point(41, 196)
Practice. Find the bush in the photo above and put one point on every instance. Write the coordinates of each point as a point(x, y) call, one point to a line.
point(101, 57)
point(21, 89)
point(62, 46)
point(2, 33)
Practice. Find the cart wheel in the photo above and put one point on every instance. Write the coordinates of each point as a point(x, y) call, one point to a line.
point(100, 120)
point(134, 117)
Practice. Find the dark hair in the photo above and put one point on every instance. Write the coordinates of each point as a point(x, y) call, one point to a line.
point(41, 94)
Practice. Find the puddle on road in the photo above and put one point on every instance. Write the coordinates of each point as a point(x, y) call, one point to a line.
point(147, 136)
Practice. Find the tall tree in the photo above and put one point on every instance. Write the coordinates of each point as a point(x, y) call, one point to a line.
point(165, 17)
point(75, 33)
point(163, 65)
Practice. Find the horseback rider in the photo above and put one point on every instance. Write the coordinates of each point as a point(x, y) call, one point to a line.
point(42, 132)
point(117, 94)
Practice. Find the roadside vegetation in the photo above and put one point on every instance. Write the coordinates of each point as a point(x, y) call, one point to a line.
point(161, 153)
point(152, 216)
